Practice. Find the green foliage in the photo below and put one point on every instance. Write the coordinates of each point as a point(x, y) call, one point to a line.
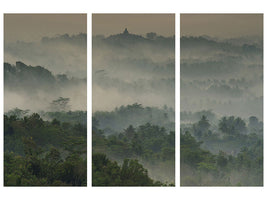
point(135, 115)
point(232, 125)
point(123, 134)
point(133, 173)
point(195, 116)
point(149, 143)
point(104, 171)
point(200, 167)
point(191, 153)
point(109, 173)
point(72, 117)
point(146, 139)
point(17, 112)
point(42, 153)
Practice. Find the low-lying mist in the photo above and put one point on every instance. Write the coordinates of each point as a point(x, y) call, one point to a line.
point(223, 75)
point(35, 88)
point(62, 54)
point(129, 68)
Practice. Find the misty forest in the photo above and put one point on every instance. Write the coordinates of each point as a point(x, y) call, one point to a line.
point(45, 120)
point(221, 133)
point(133, 123)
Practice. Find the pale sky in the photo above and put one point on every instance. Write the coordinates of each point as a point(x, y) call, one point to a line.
point(32, 27)
point(222, 25)
point(110, 24)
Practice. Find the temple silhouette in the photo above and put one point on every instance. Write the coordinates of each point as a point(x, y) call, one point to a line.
point(125, 32)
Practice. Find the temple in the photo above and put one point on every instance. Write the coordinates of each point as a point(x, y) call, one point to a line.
point(125, 32)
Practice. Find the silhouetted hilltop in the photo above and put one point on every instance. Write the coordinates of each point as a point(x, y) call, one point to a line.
point(31, 78)
point(79, 39)
point(140, 68)
point(35, 87)
point(188, 42)
point(127, 38)
point(27, 76)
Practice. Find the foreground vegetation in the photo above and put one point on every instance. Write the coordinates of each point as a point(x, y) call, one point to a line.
point(230, 154)
point(109, 173)
point(44, 153)
point(148, 144)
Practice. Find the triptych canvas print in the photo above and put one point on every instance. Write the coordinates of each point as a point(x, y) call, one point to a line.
point(133, 81)
point(221, 127)
point(134, 132)
point(45, 81)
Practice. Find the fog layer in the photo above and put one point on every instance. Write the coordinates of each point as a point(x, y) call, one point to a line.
point(35, 88)
point(129, 68)
point(225, 76)
point(60, 54)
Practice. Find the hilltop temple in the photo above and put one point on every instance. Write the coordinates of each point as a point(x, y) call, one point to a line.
point(125, 32)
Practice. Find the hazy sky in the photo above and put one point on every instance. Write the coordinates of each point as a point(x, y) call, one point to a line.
point(222, 25)
point(108, 24)
point(32, 27)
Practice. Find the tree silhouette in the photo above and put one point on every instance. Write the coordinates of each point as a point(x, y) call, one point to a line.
point(60, 104)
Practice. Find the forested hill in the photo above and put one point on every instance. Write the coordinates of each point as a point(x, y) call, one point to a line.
point(34, 88)
point(136, 115)
point(234, 46)
point(129, 39)
point(37, 77)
